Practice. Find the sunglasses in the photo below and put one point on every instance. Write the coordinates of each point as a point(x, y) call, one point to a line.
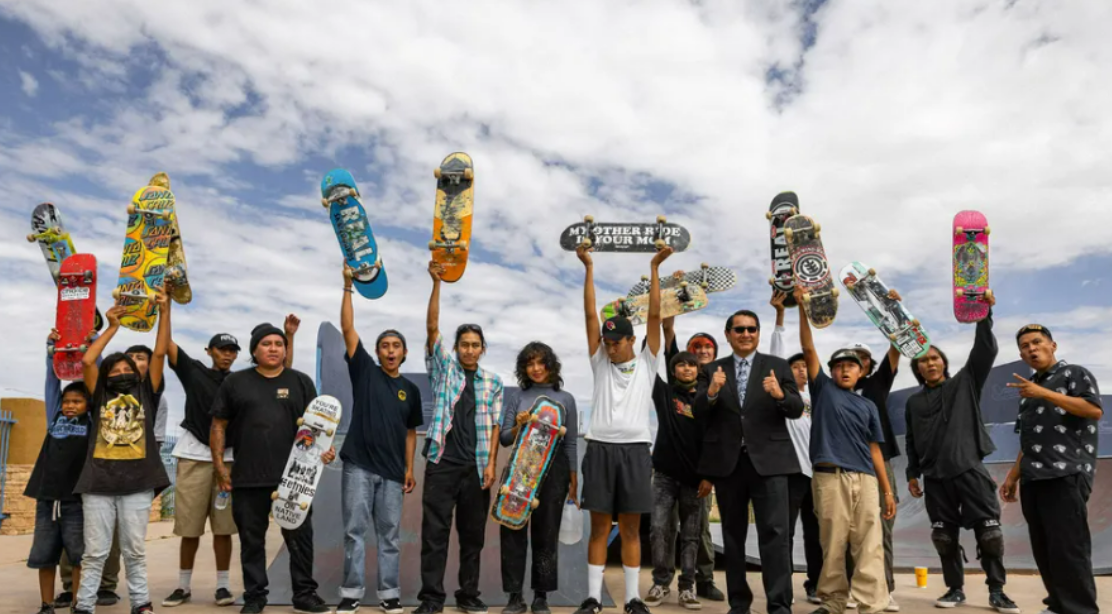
point(752, 330)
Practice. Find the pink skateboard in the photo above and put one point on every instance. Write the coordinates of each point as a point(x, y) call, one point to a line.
point(970, 266)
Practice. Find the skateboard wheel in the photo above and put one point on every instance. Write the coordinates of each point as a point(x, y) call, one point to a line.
point(683, 284)
point(989, 295)
point(704, 285)
point(959, 292)
point(30, 238)
point(704, 266)
point(788, 232)
point(644, 278)
point(469, 173)
point(772, 281)
point(432, 245)
point(330, 432)
point(274, 496)
point(304, 505)
point(836, 292)
point(660, 244)
point(505, 490)
point(116, 293)
point(660, 219)
point(818, 228)
point(959, 230)
point(533, 418)
point(436, 172)
point(131, 210)
point(590, 219)
point(535, 503)
point(850, 285)
point(794, 212)
point(50, 350)
point(988, 230)
point(872, 272)
point(563, 429)
point(83, 347)
point(300, 421)
point(463, 246)
point(818, 234)
point(892, 337)
point(915, 323)
point(586, 243)
point(807, 298)
point(768, 215)
point(324, 202)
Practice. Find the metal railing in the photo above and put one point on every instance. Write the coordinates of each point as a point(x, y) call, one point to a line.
point(7, 421)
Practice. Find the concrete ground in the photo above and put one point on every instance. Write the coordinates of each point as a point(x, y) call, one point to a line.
point(20, 585)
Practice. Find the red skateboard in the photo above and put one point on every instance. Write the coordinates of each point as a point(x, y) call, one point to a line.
point(75, 318)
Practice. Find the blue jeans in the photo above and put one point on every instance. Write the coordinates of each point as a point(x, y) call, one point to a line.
point(365, 497)
point(128, 514)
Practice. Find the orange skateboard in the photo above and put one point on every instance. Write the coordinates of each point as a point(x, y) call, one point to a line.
point(451, 225)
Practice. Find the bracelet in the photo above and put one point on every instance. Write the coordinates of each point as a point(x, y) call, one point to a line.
point(347, 289)
point(888, 494)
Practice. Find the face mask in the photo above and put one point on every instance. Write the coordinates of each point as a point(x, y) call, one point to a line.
point(123, 383)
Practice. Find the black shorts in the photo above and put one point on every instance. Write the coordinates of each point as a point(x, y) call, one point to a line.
point(56, 529)
point(964, 500)
point(618, 478)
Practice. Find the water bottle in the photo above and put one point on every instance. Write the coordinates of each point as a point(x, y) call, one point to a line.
point(571, 524)
point(222, 500)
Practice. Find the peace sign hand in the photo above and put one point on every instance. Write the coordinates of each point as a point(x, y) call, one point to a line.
point(1027, 389)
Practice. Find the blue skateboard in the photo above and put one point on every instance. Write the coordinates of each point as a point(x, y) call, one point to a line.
point(340, 196)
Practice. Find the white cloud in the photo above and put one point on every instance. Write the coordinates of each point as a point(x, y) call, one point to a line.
point(29, 83)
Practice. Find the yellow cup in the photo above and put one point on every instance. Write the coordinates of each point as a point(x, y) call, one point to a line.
point(921, 577)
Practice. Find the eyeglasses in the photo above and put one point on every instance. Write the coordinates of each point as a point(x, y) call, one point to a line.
point(752, 330)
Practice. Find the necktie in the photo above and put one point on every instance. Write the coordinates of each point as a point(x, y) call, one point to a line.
point(742, 381)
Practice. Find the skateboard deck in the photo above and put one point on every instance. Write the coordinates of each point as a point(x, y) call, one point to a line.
point(534, 448)
point(784, 206)
point(625, 237)
point(889, 315)
point(315, 431)
point(970, 265)
point(76, 315)
point(811, 270)
point(674, 301)
point(176, 269)
point(48, 230)
point(150, 227)
point(451, 224)
point(340, 196)
point(709, 278)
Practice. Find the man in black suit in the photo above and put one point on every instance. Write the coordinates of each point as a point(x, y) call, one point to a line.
point(748, 455)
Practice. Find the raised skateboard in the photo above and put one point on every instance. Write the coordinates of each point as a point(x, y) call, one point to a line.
point(528, 465)
point(340, 196)
point(315, 431)
point(678, 300)
point(625, 237)
point(76, 315)
point(784, 206)
point(176, 269)
point(150, 227)
point(709, 278)
point(451, 224)
point(886, 313)
point(48, 230)
point(811, 270)
point(970, 266)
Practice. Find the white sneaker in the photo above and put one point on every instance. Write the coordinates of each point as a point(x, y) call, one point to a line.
point(656, 594)
point(892, 605)
point(851, 604)
point(689, 600)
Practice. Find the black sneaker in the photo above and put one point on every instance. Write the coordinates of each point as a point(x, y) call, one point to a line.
point(348, 606)
point(106, 597)
point(516, 605)
point(252, 607)
point(471, 605)
point(46, 608)
point(79, 611)
point(63, 600)
point(636, 606)
point(429, 607)
point(1000, 602)
point(707, 590)
point(590, 606)
point(953, 598)
point(540, 603)
point(311, 604)
point(223, 597)
point(391, 606)
point(177, 598)
point(820, 610)
point(145, 608)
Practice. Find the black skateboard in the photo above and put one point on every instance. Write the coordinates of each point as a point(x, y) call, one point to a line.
point(784, 205)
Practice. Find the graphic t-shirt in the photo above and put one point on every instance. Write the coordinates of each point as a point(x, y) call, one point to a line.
point(679, 436)
point(623, 397)
point(122, 456)
point(60, 460)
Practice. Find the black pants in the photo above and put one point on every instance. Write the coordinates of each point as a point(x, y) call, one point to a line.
point(451, 487)
point(1058, 523)
point(769, 496)
point(967, 501)
point(250, 510)
point(802, 506)
point(544, 528)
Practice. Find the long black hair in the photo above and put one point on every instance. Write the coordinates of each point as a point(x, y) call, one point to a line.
point(945, 366)
point(470, 328)
point(536, 349)
point(108, 363)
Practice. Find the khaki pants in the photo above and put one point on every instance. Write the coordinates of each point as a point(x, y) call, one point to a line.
point(848, 508)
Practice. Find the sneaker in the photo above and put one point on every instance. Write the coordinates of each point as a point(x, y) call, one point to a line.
point(1000, 602)
point(636, 606)
point(63, 600)
point(46, 608)
point(820, 610)
point(1048, 611)
point(223, 597)
point(177, 598)
point(812, 595)
point(851, 604)
point(145, 608)
point(429, 607)
point(953, 598)
point(106, 597)
point(471, 605)
point(79, 611)
point(390, 606)
point(252, 607)
point(311, 604)
point(657, 594)
point(540, 603)
point(892, 605)
point(689, 600)
point(707, 590)
point(516, 605)
point(348, 606)
point(590, 606)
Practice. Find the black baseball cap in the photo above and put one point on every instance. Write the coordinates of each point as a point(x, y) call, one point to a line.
point(842, 355)
point(1034, 328)
point(617, 328)
point(223, 340)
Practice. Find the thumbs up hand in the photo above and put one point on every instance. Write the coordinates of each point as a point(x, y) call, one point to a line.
point(716, 382)
point(772, 386)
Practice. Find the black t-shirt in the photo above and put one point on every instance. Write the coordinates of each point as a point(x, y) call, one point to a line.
point(60, 460)
point(262, 415)
point(876, 388)
point(200, 383)
point(385, 409)
point(1056, 443)
point(679, 434)
point(122, 456)
point(460, 445)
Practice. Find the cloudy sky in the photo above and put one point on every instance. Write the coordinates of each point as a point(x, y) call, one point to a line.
point(886, 117)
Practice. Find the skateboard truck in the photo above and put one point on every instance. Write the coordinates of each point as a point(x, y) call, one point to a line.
point(660, 243)
point(162, 213)
point(973, 294)
point(971, 233)
point(52, 350)
point(589, 231)
point(816, 231)
point(339, 193)
point(454, 177)
point(807, 296)
point(137, 294)
point(47, 234)
point(448, 244)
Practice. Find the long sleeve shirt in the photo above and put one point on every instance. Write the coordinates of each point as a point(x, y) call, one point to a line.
point(946, 435)
point(523, 400)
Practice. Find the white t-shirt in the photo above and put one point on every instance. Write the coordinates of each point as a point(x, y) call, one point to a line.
point(623, 397)
point(191, 448)
point(800, 428)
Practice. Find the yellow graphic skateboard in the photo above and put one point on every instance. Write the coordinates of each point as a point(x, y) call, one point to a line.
point(150, 227)
point(176, 269)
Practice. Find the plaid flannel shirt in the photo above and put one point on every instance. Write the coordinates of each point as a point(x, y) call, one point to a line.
point(446, 376)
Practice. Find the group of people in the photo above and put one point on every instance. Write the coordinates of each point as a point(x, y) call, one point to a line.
point(774, 431)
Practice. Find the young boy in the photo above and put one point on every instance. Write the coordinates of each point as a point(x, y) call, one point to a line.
point(59, 520)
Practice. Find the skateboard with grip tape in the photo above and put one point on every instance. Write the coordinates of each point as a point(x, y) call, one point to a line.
point(534, 448)
point(76, 315)
point(316, 429)
point(709, 278)
point(678, 300)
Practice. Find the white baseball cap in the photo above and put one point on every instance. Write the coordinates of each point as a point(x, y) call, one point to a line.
point(861, 347)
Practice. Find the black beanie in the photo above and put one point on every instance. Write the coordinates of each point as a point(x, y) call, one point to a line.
point(263, 330)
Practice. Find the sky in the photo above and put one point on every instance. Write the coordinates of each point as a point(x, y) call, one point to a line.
point(886, 117)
